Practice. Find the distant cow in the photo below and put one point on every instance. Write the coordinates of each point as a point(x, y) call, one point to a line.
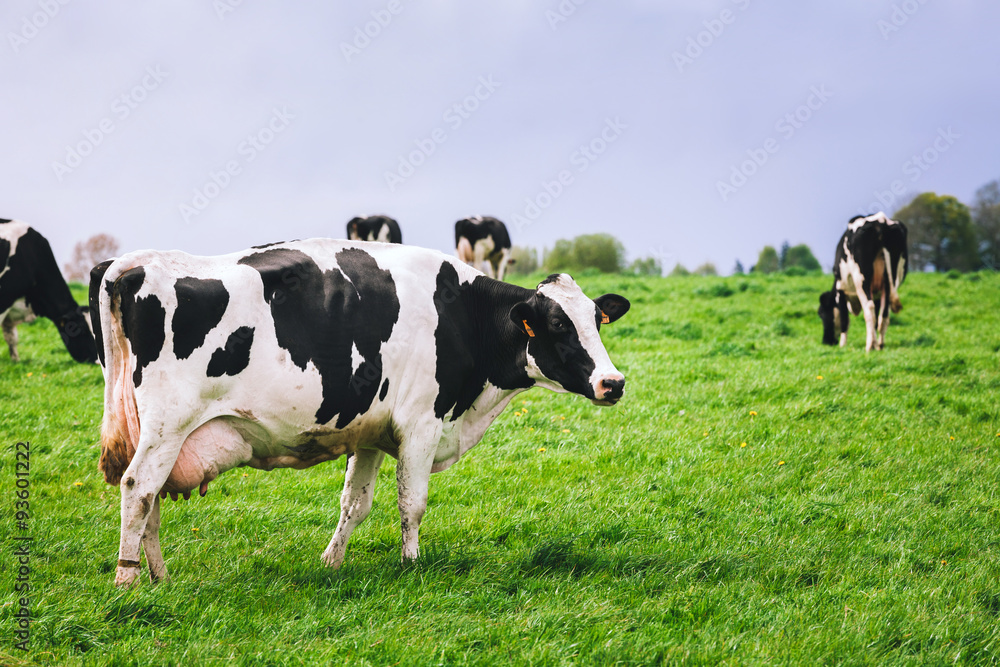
point(374, 228)
point(869, 267)
point(479, 240)
point(28, 271)
point(296, 353)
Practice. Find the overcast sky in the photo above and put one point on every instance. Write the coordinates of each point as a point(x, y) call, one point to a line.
point(693, 130)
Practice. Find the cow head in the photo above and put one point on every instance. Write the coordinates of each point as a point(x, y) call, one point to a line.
point(831, 310)
point(74, 327)
point(352, 229)
point(565, 352)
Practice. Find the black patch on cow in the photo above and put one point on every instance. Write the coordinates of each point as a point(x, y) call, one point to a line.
point(384, 391)
point(143, 320)
point(201, 303)
point(234, 357)
point(320, 316)
point(475, 340)
point(96, 278)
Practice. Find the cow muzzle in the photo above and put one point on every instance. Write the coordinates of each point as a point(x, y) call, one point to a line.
point(609, 389)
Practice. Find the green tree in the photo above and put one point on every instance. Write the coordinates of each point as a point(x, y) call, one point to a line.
point(941, 233)
point(738, 269)
point(986, 217)
point(679, 271)
point(560, 257)
point(650, 266)
point(800, 256)
point(767, 261)
point(706, 269)
point(592, 251)
point(525, 260)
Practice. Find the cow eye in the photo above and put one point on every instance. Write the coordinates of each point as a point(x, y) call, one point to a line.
point(558, 325)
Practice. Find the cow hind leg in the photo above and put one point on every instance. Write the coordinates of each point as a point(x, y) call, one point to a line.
point(355, 502)
point(140, 484)
point(151, 545)
point(883, 321)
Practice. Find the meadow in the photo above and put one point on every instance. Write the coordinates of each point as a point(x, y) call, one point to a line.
point(756, 498)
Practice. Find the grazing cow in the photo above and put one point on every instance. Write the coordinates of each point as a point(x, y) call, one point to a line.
point(374, 228)
point(28, 271)
point(479, 240)
point(869, 267)
point(296, 353)
point(19, 313)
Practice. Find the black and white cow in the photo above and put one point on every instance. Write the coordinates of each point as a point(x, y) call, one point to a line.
point(480, 240)
point(296, 353)
point(28, 271)
point(374, 228)
point(869, 267)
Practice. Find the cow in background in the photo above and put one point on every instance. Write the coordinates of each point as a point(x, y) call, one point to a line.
point(480, 240)
point(869, 267)
point(28, 271)
point(380, 228)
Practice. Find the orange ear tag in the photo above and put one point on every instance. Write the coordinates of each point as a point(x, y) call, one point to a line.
point(604, 318)
point(531, 334)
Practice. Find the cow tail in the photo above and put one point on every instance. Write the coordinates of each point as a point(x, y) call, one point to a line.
point(120, 427)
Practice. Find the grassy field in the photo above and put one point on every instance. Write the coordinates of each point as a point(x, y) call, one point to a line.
point(756, 498)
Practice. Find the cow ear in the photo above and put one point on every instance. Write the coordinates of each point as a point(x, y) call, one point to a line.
point(522, 315)
point(613, 306)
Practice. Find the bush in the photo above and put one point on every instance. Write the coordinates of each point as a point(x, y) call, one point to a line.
point(597, 251)
point(650, 266)
point(706, 269)
point(525, 260)
point(767, 261)
point(679, 271)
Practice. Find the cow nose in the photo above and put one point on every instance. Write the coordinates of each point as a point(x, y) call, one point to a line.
point(613, 387)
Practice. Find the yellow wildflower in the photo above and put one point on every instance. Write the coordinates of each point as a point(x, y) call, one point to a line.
point(77, 483)
point(753, 413)
point(781, 463)
point(743, 444)
point(541, 449)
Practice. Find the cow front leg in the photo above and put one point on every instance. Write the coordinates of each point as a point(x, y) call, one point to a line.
point(142, 480)
point(151, 545)
point(413, 474)
point(355, 502)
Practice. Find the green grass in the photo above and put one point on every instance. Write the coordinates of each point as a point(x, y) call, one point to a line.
point(859, 524)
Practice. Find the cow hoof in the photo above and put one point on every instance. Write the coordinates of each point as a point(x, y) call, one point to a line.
point(331, 559)
point(126, 576)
